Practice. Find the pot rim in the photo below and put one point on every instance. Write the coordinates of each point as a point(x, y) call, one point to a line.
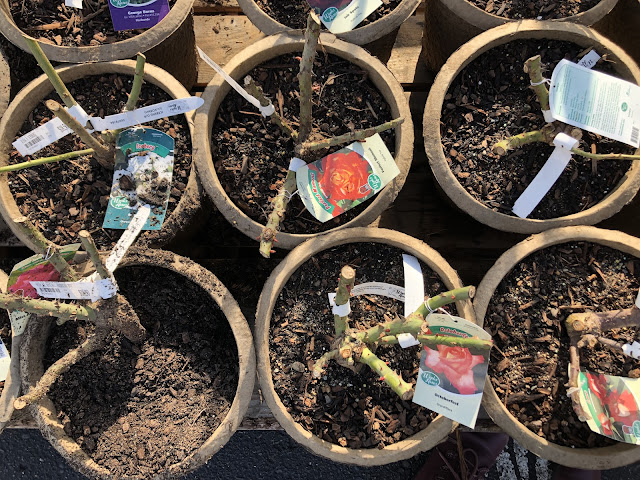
point(253, 56)
point(44, 411)
point(424, 440)
point(601, 458)
point(128, 48)
point(622, 194)
point(30, 97)
point(357, 36)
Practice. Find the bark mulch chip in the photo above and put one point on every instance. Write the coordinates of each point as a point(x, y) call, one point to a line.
point(538, 9)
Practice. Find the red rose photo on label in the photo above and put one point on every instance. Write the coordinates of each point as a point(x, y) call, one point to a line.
point(344, 177)
point(455, 368)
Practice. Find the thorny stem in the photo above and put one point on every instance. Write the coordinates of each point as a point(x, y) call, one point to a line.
point(345, 284)
point(323, 362)
point(533, 66)
point(280, 202)
point(604, 156)
point(311, 36)
point(91, 249)
point(50, 72)
point(348, 137)
point(434, 340)
point(574, 372)
point(391, 378)
point(545, 135)
point(44, 160)
point(102, 153)
point(46, 248)
point(38, 306)
point(274, 118)
point(138, 79)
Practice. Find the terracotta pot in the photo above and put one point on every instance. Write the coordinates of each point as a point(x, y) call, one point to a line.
point(5, 83)
point(261, 52)
point(33, 94)
point(170, 44)
point(426, 439)
point(622, 194)
point(359, 35)
point(451, 23)
point(586, 458)
point(44, 412)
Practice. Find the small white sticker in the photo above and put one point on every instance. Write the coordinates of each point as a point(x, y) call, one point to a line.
point(407, 340)
point(5, 362)
point(19, 322)
point(632, 350)
point(590, 59)
point(413, 284)
point(342, 310)
point(296, 163)
point(127, 238)
point(546, 177)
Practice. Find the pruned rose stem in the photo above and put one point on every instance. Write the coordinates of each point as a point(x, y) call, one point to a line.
point(435, 340)
point(138, 79)
point(280, 202)
point(102, 153)
point(274, 118)
point(46, 248)
point(39, 306)
point(91, 249)
point(391, 378)
point(343, 291)
point(574, 372)
point(311, 36)
point(604, 156)
point(44, 160)
point(533, 66)
point(323, 362)
point(95, 342)
point(50, 72)
point(354, 136)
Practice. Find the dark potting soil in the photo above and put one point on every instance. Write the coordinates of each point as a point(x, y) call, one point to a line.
point(137, 409)
point(491, 100)
point(343, 100)
point(538, 9)
point(67, 197)
point(294, 14)
point(50, 21)
point(526, 318)
point(5, 335)
point(342, 407)
point(22, 65)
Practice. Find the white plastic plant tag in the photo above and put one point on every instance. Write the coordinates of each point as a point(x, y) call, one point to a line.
point(296, 163)
point(265, 111)
point(341, 16)
point(546, 177)
point(73, 3)
point(413, 284)
point(632, 350)
point(127, 238)
point(407, 340)
point(19, 322)
point(342, 310)
point(451, 378)
point(596, 102)
point(379, 288)
point(638, 300)
point(590, 59)
point(83, 290)
point(48, 133)
point(5, 361)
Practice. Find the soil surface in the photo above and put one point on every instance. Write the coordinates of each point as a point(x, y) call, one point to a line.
point(5, 335)
point(22, 66)
point(137, 409)
point(50, 21)
point(294, 14)
point(342, 407)
point(67, 197)
point(538, 9)
point(526, 318)
point(491, 100)
point(344, 100)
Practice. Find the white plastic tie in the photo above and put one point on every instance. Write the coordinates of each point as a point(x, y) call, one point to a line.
point(544, 80)
point(341, 310)
point(407, 340)
point(296, 163)
point(548, 116)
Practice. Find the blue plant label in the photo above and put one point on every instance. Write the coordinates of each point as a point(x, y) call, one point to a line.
point(134, 14)
point(142, 176)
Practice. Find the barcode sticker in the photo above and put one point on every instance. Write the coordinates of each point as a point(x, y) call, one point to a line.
point(635, 134)
point(5, 362)
point(19, 322)
point(82, 290)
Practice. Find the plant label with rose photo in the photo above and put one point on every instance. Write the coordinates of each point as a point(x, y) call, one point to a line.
point(346, 178)
point(134, 14)
point(451, 378)
point(613, 405)
point(341, 16)
point(142, 176)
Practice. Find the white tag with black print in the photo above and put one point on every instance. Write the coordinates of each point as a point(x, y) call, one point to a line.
point(5, 361)
point(127, 238)
point(19, 321)
point(82, 290)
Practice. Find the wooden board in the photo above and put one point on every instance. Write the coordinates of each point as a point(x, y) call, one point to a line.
point(405, 61)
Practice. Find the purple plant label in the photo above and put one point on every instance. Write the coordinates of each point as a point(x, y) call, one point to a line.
point(134, 14)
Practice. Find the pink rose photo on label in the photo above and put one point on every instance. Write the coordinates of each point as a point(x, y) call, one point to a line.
point(454, 366)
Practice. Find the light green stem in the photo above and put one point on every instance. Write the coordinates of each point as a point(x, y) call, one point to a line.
point(343, 292)
point(604, 156)
point(533, 66)
point(274, 118)
point(42, 161)
point(322, 362)
point(391, 378)
point(276, 217)
point(138, 79)
point(94, 255)
point(40, 306)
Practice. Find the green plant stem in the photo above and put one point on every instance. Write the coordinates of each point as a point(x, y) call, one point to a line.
point(138, 79)
point(311, 36)
point(102, 153)
point(94, 255)
point(46, 248)
point(274, 118)
point(343, 292)
point(604, 156)
point(280, 202)
point(50, 72)
point(39, 306)
point(348, 137)
point(391, 378)
point(521, 139)
point(434, 340)
point(533, 66)
point(42, 161)
point(323, 362)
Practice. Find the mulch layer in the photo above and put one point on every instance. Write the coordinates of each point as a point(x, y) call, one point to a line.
point(344, 100)
point(67, 197)
point(490, 100)
point(526, 318)
point(538, 9)
point(355, 410)
point(137, 409)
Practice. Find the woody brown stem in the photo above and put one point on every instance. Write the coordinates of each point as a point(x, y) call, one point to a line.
point(594, 323)
point(343, 292)
point(323, 362)
point(533, 66)
point(276, 217)
point(94, 255)
point(311, 36)
point(274, 118)
point(574, 372)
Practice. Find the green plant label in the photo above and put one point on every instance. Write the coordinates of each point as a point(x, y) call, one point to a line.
point(341, 16)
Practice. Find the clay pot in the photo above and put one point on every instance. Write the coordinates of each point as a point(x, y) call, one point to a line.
point(622, 194)
point(261, 52)
point(602, 458)
point(426, 439)
point(451, 23)
point(44, 411)
point(5, 83)
point(359, 35)
point(170, 44)
point(621, 26)
point(33, 94)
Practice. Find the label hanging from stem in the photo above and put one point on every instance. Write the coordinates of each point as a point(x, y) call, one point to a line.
point(82, 290)
point(127, 238)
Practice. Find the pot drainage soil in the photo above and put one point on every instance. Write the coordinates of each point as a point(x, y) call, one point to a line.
point(137, 409)
point(354, 410)
point(66, 197)
point(534, 9)
point(526, 318)
point(294, 14)
point(343, 99)
point(489, 100)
